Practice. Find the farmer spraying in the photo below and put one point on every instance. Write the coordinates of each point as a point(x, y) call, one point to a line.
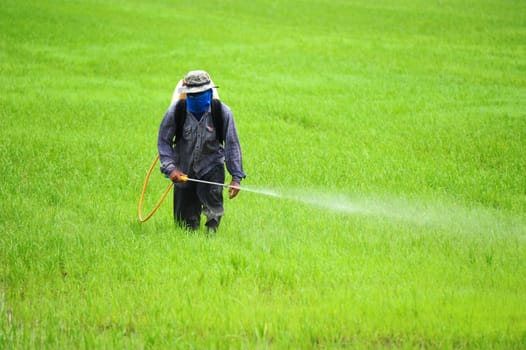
point(197, 137)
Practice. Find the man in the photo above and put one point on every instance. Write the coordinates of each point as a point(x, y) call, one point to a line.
point(199, 152)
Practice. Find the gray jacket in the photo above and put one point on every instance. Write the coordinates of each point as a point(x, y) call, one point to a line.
point(199, 151)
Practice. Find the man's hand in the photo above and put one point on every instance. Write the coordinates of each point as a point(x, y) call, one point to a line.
point(233, 190)
point(176, 175)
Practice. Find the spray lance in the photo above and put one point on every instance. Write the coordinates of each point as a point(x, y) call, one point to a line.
point(185, 179)
point(241, 188)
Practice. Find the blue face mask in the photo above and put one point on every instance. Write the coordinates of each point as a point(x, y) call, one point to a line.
point(198, 104)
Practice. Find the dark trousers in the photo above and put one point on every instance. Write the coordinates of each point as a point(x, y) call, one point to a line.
point(192, 198)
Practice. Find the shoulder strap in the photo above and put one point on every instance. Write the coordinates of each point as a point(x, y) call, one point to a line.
point(180, 116)
point(217, 116)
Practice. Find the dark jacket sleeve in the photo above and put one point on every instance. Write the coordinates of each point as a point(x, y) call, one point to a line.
point(165, 142)
point(233, 158)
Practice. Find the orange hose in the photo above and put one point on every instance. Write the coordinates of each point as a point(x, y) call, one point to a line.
point(146, 180)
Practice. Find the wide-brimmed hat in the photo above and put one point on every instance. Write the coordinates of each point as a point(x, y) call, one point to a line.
point(196, 81)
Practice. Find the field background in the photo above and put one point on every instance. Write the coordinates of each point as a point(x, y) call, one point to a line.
point(395, 131)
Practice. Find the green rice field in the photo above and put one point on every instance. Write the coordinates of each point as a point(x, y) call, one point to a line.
point(390, 135)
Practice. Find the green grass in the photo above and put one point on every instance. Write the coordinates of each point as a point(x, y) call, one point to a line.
point(408, 116)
